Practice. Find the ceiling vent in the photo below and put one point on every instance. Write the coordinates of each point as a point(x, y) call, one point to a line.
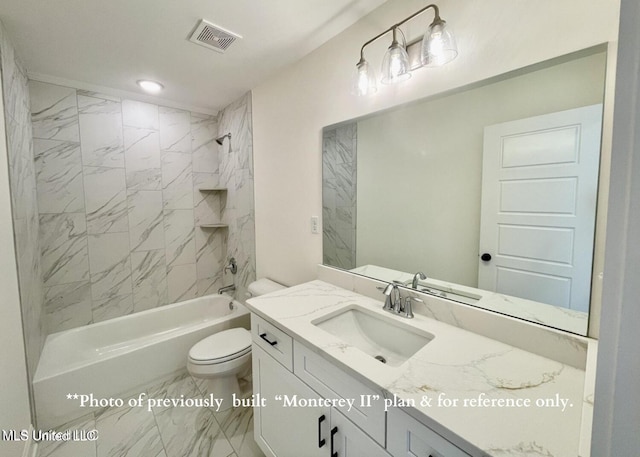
point(213, 36)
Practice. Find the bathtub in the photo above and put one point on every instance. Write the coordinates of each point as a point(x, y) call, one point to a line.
point(115, 357)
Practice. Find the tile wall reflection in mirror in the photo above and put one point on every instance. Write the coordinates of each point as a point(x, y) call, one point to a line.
point(490, 190)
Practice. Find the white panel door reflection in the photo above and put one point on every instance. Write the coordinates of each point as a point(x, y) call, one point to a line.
point(539, 190)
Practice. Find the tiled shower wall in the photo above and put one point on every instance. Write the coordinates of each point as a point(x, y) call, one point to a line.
point(339, 159)
point(119, 204)
point(236, 174)
point(23, 198)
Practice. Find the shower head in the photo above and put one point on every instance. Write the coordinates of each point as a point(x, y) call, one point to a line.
point(220, 140)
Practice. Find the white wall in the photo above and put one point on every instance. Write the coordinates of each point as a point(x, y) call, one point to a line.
point(420, 167)
point(292, 107)
point(14, 394)
point(616, 418)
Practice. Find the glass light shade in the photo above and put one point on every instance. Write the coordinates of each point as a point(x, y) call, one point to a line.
point(364, 80)
point(438, 45)
point(395, 66)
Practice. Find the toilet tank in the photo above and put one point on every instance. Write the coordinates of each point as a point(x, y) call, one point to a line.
point(263, 286)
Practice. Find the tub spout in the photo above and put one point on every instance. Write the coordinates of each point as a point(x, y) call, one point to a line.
point(229, 288)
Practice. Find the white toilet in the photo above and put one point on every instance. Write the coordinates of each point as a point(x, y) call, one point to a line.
point(222, 357)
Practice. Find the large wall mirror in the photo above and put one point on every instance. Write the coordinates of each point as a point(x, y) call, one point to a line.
point(490, 190)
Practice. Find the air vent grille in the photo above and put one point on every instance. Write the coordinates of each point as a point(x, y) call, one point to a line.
point(213, 36)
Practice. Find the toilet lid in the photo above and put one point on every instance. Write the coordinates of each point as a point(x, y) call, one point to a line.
point(227, 344)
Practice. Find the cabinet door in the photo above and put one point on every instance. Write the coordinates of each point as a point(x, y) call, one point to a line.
point(290, 431)
point(331, 382)
point(406, 437)
point(349, 441)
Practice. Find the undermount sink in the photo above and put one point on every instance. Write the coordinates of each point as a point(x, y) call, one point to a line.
point(383, 337)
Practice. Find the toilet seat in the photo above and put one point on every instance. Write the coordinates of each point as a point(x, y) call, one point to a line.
point(221, 347)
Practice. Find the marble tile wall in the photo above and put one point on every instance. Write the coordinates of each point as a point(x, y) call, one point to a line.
point(22, 178)
point(236, 174)
point(339, 148)
point(120, 208)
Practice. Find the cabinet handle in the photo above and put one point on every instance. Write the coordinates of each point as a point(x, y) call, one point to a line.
point(264, 337)
point(321, 441)
point(334, 430)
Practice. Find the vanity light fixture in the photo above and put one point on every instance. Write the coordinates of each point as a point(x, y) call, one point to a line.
point(152, 87)
point(438, 48)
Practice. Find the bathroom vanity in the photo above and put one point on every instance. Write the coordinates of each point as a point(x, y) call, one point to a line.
point(338, 376)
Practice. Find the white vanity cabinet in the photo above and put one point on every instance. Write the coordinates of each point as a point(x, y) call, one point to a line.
point(407, 437)
point(280, 431)
point(350, 441)
point(301, 431)
point(290, 368)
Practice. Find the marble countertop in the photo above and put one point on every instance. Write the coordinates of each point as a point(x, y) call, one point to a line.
point(456, 365)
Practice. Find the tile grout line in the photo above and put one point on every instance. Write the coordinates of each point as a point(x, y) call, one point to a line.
point(155, 421)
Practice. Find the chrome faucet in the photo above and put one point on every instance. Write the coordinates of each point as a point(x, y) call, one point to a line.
point(419, 275)
point(229, 288)
point(395, 304)
point(392, 297)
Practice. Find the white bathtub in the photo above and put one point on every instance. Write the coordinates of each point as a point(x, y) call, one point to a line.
point(115, 357)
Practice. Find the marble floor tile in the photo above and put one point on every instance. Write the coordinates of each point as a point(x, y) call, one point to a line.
point(237, 425)
point(163, 432)
point(71, 448)
point(182, 385)
point(129, 432)
point(188, 432)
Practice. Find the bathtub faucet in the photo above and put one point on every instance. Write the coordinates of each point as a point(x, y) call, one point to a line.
point(229, 288)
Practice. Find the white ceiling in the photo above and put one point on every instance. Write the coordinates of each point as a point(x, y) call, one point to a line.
point(113, 43)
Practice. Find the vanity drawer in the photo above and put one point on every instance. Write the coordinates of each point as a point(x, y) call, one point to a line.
point(333, 383)
point(274, 341)
point(408, 437)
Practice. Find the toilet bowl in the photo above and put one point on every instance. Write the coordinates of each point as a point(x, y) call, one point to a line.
point(221, 358)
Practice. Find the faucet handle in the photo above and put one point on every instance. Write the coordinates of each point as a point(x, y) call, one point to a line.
point(408, 306)
point(388, 292)
point(392, 295)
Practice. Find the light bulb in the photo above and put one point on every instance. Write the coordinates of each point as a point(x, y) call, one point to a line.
point(364, 80)
point(395, 66)
point(438, 45)
point(153, 87)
